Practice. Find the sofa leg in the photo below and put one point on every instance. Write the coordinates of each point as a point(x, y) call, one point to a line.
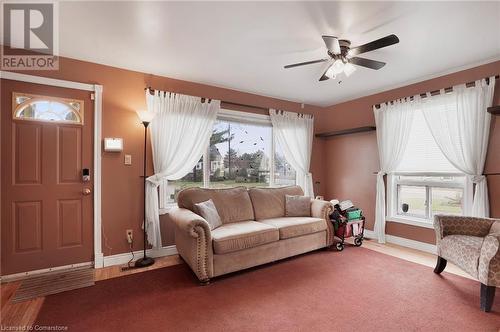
point(487, 297)
point(205, 282)
point(440, 265)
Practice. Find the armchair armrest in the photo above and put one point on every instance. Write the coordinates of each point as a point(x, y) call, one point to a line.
point(489, 260)
point(193, 240)
point(460, 225)
point(322, 209)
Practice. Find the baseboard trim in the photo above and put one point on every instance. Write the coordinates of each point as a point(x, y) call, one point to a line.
point(401, 241)
point(120, 259)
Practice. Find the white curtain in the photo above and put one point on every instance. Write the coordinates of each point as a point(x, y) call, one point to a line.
point(393, 121)
point(460, 125)
point(180, 133)
point(294, 134)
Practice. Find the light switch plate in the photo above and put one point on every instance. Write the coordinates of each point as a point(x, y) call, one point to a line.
point(128, 159)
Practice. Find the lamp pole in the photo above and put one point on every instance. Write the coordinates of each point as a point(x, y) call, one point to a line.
point(144, 261)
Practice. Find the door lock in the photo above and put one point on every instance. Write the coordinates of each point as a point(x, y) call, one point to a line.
point(85, 175)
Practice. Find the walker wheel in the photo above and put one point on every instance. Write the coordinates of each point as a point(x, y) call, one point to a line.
point(339, 246)
point(358, 241)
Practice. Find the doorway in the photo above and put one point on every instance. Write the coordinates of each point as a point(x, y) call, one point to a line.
point(47, 176)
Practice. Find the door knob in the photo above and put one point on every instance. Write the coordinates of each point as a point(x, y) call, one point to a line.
point(86, 191)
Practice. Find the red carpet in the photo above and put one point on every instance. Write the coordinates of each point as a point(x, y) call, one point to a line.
point(354, 290)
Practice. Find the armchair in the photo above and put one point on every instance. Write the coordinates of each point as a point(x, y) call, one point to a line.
point(473, 244)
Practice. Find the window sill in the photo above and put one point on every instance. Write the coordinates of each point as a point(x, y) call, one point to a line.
point(410, 221)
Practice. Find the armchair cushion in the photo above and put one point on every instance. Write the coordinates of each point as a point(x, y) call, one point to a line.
point(463, 250)
point(242, 235)
point(296, 226)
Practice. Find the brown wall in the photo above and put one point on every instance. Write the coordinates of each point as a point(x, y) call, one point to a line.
point(351, 160)
point(342, 165)
point(123, 94)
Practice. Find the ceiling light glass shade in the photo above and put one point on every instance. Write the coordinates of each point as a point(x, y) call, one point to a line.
point(329, 73)
point(338, 66)
point(146, 116)
point(349, 68)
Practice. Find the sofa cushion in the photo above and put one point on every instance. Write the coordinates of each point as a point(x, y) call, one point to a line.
point(270, 202)
point(297, 206)
point(232, 204)
point(209, 212)
point(296, 226)
point(242, 235)
point(462, 250)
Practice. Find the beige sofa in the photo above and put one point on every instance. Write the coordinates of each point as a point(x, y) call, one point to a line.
point(254, 229)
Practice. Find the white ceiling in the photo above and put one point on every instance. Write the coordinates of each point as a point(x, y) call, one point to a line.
point(244, 45)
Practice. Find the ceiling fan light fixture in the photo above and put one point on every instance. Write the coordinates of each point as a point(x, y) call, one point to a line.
point(349, 68)
point(338, 66)
point(329, 73)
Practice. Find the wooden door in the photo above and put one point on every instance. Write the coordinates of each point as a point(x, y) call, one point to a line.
point(46, 207)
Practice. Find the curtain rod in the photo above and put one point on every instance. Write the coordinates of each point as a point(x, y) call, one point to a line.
point(449, 89)
point(151, 90)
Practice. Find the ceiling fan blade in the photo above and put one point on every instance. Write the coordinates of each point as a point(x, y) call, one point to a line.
point(324, 77)
point(374, 45)
point(332, 44)
point(305, 63)
point(368, 63)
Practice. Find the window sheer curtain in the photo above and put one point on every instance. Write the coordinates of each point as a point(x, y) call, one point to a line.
point(460, 124)
point(180, 133)
point(294, 133)
point(393, 121)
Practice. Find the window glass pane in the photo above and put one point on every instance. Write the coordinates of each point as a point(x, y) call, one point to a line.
point(193, 179)
point(447, 200)
point(422, 152)
point(284, 174)
point(412, 201)
point(239, 155)
point(47, 110)
point(432, 178)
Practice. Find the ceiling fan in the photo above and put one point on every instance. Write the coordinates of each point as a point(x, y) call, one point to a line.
point(341, 56)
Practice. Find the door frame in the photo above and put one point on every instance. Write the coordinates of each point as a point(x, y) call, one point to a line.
point(96, 90)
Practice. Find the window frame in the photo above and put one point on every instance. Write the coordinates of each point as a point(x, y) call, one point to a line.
point(233, 116)
point(393, 183)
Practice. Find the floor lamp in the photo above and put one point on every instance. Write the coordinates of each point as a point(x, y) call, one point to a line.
point(146, 117)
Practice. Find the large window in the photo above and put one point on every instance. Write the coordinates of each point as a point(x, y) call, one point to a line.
point(242, 152)
point(426, 183)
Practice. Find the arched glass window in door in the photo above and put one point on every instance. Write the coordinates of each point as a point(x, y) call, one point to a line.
point(44, 108)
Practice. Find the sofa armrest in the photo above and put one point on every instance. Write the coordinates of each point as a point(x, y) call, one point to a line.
point(193, 240)
point(489, 260)
point(460, 225)
point(322, 209)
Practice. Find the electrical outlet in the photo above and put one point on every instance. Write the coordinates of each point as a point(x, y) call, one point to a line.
point(130, 236)
point(128, 160)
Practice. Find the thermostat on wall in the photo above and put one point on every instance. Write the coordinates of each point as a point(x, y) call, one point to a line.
point(113, 144)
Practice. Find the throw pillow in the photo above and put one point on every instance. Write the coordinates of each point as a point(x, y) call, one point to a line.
point(297, 206)
point(209, 212)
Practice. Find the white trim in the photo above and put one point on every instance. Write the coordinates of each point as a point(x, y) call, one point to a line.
point(245, 117)
point(97, 96)
point(98, 255)
point(417, 245)
point(124, 258)
point(410, 221)
point(7, 75)
point(24, 275)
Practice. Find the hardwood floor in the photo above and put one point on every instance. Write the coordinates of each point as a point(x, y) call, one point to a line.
point(23, 314)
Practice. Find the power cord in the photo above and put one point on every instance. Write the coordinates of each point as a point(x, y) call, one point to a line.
point(131, 249)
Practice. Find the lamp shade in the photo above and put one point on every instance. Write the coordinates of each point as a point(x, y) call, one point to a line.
point(146, 116)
